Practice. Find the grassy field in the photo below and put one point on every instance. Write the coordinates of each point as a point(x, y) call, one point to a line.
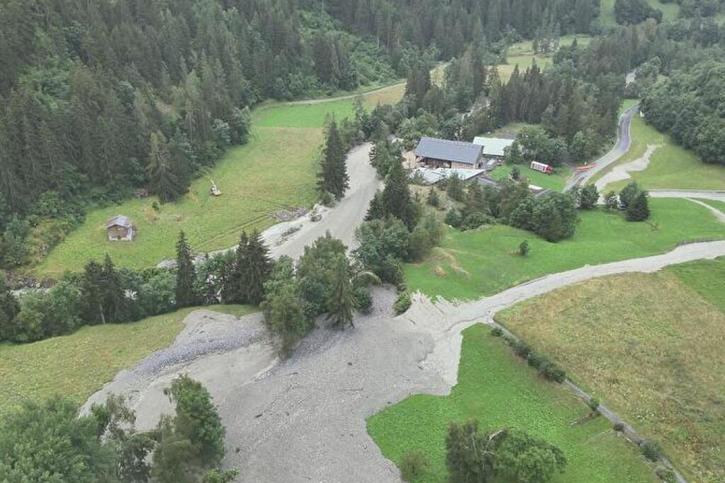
point(671, 166)
point(718, 205)
point(606, 18)
point(555, 181)
point(285, 139)
point(502, 391)
point(650, 347)
point(77, 365)
point(522, 54)
point(482, 262)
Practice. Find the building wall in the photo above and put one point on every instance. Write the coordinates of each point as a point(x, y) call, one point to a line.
point(119, 233)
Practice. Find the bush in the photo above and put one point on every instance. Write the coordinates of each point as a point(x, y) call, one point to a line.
point(363, 300)
point(611, 200)
point(588, 197)
point(638, 209)
point(534, 359)
point(402, 304)
point(453, 218)
point(520, 348)
point(619, 427)
point(524, 248)
point(412, 465)
point(475, 220)
point(593, 404)
point(651, 450)
point(552, 372)
point(496, 332)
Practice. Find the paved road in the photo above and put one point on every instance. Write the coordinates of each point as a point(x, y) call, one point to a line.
point(717, 195)
point(304, 419)
point(621, 147)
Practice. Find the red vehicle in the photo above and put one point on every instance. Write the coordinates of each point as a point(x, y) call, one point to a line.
point(541, 167)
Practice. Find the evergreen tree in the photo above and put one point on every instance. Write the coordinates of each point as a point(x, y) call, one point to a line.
point(185, 274)
point(396, 200)
point(333, 177)
point(341, 304)
point(163, 180)
point(232, 288)
point(256, 271)
point(638, 209)
point(114, 300)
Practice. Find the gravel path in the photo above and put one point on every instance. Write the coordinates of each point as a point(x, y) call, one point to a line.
point(304, 419)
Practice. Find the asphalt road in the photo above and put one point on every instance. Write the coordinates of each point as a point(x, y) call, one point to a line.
point(621, 147)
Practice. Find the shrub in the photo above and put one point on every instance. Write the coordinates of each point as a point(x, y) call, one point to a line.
point(412, 465)
point(453, 218)
point(552, 372)
point(496, 332)
point(611, 200)
point(651, 450)
point(588, 197)
point(593, 404)
point(402, 304)
point(524, 248)
point(520, 348)
point(619, 427)
point(534, 359)
point(638, 209)
point(363, 300)
point(475, 220)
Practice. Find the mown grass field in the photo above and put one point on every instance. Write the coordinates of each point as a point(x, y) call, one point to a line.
point(502, 391)
point(276, 169)
point(77, 365)
point(671, 166)
point(606, 17)
point(522, 54)
point(483, 262)
point(555, 181)
point(718, 205)
point(650, 347)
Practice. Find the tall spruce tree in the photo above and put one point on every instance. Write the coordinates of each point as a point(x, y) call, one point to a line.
point(164, 181)
point(114, 300)
point(396, 200)
point(185, 273)
point(257, 269)
point(638, 209)
point(232, 291)
point(341, 304)
point(333, 177)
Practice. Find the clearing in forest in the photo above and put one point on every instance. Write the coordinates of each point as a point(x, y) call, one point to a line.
point(649, 346)
point(501, 390)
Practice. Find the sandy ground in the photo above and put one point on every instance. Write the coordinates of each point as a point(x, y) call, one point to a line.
point(621, 172)
point(303, 419)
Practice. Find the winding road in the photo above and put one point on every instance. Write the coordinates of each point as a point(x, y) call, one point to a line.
point(619, 149)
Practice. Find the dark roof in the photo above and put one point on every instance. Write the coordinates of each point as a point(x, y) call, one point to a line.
point(456, 151)
point(119, 220)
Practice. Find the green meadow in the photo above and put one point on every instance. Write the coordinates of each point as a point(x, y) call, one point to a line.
point(501, 391)
point(482, 262)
